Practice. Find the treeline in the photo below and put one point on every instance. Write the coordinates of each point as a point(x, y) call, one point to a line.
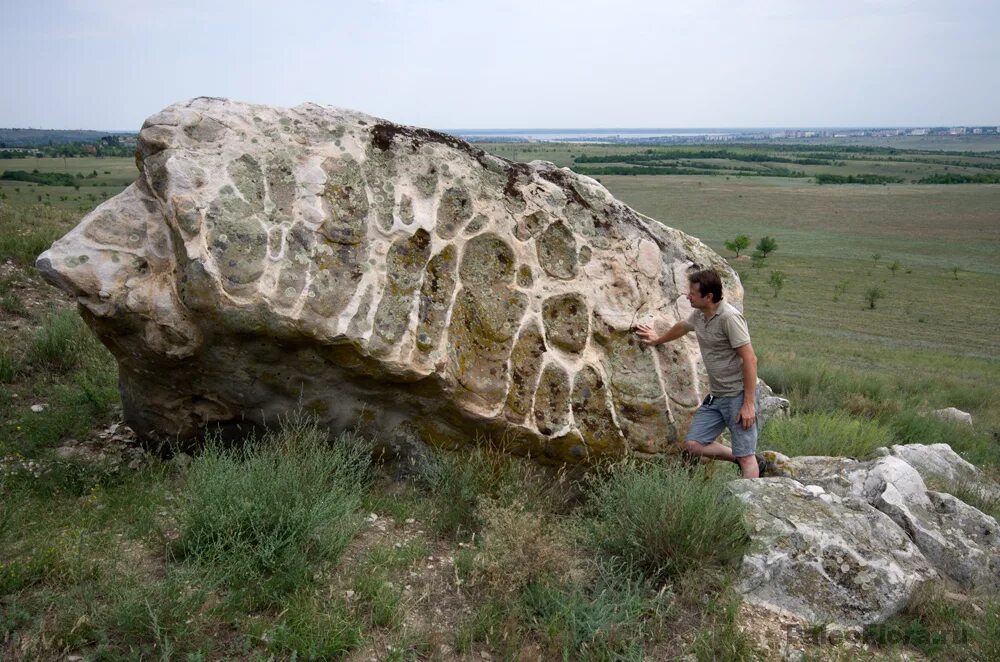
point(677, 170)
point(661, 155)
point(954, 178)
point(45, 178)
point(856, 179)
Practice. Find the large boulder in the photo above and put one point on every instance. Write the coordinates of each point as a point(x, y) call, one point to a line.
point(824, 557)
point(958, 540)
point(270, 259)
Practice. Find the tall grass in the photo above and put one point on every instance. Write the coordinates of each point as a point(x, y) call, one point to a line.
point(259, 518)
point(824, 433)
point(662, 521)
point(26, 232)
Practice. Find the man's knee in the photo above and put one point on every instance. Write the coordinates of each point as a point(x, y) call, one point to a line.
point(695, 447)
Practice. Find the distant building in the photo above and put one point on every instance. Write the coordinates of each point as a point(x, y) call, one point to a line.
point(957, 131)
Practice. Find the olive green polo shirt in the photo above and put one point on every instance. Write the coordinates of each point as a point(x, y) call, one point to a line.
point(718, 338)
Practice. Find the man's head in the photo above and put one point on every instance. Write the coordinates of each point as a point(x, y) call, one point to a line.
point(705, 289)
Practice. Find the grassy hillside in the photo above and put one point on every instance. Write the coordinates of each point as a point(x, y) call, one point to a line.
point(296, 547)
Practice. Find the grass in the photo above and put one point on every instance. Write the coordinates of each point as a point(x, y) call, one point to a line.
point(258, 518)
point(663, 521)
point(237, 556)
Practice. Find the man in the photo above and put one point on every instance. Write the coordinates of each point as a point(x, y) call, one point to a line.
point(732, 374)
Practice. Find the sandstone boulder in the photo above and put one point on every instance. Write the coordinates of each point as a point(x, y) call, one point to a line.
point(952, 415)
point(268, 259)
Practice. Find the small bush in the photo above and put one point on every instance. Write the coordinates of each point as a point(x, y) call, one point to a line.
point(60, 341)
point(518, 546)
point(662, 522)
point(258, 517)
point(457, 481)
point(10, 364)
point(825, 433)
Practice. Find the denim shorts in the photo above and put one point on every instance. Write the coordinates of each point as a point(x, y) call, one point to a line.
point(718, 412)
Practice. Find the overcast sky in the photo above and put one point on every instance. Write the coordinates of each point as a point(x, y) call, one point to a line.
point(108, 64)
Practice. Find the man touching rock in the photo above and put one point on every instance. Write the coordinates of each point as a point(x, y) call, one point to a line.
point(732, 374)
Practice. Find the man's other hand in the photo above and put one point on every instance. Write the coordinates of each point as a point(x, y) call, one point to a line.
point(646, 334)
point(747, 415)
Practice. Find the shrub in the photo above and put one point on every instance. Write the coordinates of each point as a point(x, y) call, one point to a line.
point(458, 480)
point(662, 522)
point(766, 246)
point(873, 294)
point(740, 243)
point(311, 629)
point(60, 340)
point(258, 516)
point(518, 546)
point(777, 281)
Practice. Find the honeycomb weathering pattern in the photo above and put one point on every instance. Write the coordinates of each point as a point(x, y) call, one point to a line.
point(268, 259)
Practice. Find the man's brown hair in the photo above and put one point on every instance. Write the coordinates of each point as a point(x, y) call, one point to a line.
point(708, 283)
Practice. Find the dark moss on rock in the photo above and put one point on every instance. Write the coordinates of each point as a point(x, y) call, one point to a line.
point(454, 209)
point(435, 297)
point(566, 321)
point(405, 264)
point(592, 414)
point(557, 251)
point(345, 202)
point(525, 365)
point(552, 404)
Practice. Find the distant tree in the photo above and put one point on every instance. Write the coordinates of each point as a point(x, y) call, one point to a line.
point(839, 290)
point(766, 246)
point(777, 281)
point(876, 257)
point(894, 267)
point(954, 272)
point(740, 243)
point(873, 294)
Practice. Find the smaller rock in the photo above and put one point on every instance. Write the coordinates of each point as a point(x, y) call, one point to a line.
point(39, 408)
point(952, 415)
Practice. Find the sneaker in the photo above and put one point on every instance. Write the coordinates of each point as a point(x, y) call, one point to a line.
point(763, 465)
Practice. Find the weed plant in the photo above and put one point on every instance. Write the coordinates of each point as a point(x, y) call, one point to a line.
point(663, 521)
point(257, 518)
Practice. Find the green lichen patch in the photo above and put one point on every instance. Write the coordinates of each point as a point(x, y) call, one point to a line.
point(345, 202)
point(592, 414)
point(552, 400)
point(248, 178)
point(557, 251)
point(435, 297)
point(454, 209)
point(529, 226)
point(237, 241)
point(336, 273)
point(480, 336)
point(406, 210)
point(566, 321)
point(488, 261)
point(478, 222)
point(525, 366)
point(405, 263)
point(524, 276)
point(281, 186)
point(294, 264)
point(125, 229)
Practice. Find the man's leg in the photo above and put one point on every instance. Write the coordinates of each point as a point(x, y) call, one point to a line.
point(705, 427)
point(748, 465)
point(744, 441)
point(712, 449)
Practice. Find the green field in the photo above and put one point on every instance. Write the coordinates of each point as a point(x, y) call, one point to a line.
point(267, 553)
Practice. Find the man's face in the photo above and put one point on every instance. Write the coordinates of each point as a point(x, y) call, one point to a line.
point(695, 297)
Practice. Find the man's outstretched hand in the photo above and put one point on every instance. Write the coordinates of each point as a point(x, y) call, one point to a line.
point(647, 334)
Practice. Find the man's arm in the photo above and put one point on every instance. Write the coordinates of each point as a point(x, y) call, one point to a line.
point(648, 334)
point(748, 412)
